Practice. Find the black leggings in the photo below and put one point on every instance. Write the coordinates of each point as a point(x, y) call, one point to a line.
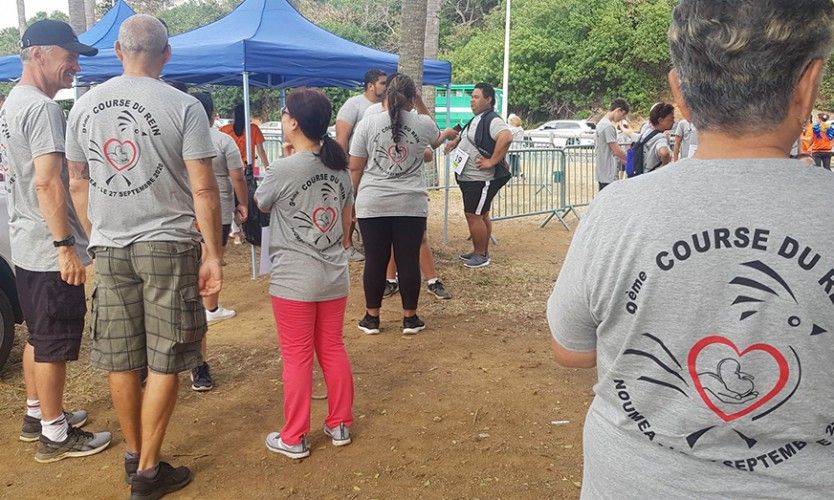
point(823, 159)
point(378, 235)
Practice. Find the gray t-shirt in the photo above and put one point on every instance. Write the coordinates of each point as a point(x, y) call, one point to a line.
point(689, 137)
point(651, 150)
point(306, 199)
point(393, 184)
point(353, 110)
point(135, 133)
point(712, 324)
point(470, 171)
point(32, 125)
point(227, 159)
point(607, 168)
point(373, 109)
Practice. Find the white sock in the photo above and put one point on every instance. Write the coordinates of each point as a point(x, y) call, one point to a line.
point(33, 408)
point(432, 281)
point(56, 430)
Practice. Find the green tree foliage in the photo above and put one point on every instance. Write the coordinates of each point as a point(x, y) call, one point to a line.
point(570, 57)
point(194, 13)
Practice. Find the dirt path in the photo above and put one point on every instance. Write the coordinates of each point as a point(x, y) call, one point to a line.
point(463, 410)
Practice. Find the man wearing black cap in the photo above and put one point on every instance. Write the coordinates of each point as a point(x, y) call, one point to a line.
point(47, 239)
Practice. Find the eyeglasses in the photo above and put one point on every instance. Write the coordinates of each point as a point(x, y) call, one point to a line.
point(285, 111)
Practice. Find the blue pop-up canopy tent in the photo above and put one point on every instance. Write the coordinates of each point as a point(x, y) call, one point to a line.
point(271, 43)
point(101, 35)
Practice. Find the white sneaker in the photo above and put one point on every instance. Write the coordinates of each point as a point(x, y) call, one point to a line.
point(220, 314)
point(354, 255)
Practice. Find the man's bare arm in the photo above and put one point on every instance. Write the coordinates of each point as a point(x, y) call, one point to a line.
point(52, 201)
point(242, 193)
point(573, 359)
point(617, 151)
point(207, 210)
point(502, 145)
point(343, 131)
point(79, 176)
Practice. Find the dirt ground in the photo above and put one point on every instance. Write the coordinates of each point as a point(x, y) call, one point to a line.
point(462, 410)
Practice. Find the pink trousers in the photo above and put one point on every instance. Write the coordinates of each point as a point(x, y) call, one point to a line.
point(305, 327)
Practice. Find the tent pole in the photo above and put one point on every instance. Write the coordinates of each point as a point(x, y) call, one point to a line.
point(251, 161)
point(283, 102)
point(447, 165)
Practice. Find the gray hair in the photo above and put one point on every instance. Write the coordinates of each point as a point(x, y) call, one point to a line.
point(739, 61)
point(26, 54)
point(143, 33)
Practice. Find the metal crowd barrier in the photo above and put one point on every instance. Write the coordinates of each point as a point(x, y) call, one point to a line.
point(546, 181)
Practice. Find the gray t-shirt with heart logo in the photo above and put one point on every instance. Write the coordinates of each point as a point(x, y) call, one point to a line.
point(135, 133)
point(305, 200)
point(32, 125)
point(393, 184)
point(711, 312)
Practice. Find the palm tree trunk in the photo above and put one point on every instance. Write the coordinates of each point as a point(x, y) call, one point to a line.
point(90, 12)
point(77, 16)
point(412, 39)
point(21, 16)
point(432, 44)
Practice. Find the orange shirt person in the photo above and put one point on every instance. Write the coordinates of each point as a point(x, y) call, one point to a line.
point(822, 141)
point(237, 132)
point(806, 138)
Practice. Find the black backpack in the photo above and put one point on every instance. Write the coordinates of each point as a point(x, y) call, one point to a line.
point(636, 156)
point(257, 219)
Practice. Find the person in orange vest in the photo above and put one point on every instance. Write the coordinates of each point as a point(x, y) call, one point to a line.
point(822, 141)
point(807, 137)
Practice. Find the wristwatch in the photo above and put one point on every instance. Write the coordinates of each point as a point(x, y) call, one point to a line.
point(66, 242)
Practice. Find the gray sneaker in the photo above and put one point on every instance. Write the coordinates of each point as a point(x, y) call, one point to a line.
point(391, 287)
point(77, 444)
point(354, 255)
point(276, 445)
point(339, 436)
point(466, 256)
point(32, 426)
point(438, 290)
point(477, 261)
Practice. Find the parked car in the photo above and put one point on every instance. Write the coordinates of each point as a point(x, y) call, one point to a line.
point(561, 133)
point(10, 312)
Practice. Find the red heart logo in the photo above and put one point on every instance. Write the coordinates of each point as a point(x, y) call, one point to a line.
point(120, 154)
point(696, 378)
point(398, 153)
point(324, 218)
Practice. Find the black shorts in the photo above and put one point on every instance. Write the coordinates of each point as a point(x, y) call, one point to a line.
point(478, 195)
point(54, 313)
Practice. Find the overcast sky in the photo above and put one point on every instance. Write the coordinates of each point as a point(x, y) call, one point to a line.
point(9, 17)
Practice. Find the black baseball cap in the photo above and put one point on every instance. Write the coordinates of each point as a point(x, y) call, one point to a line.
point(52, 32)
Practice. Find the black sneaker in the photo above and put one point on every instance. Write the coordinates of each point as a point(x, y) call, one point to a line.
point(391, 287)
point(201, 378)
point(167, 480)
point(32, 426)
point(438, 290)
point(77, 444)
point(413, 325)
point(131, 466)
point(369, 324)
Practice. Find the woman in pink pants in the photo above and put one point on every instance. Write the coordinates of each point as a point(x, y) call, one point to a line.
point(308, 194)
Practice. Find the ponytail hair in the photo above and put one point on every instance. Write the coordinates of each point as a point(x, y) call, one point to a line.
point(239, 120)
point(312, 110)
point(400, 92)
